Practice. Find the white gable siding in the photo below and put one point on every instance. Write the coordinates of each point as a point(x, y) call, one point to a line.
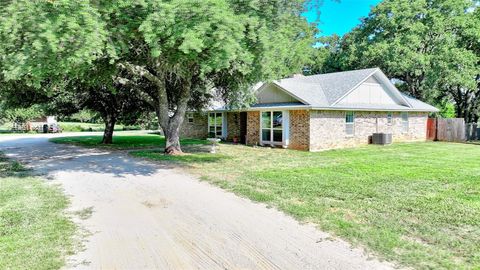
point(370, 92)
point(272, 94)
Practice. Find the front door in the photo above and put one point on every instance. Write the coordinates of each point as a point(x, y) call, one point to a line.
point(243, 127)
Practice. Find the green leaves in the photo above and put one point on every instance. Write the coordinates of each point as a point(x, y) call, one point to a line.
point(206, 34)
point(430, 46)
point(44, 39)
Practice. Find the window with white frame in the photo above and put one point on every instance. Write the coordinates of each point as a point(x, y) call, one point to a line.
point(389, 118)
point(350, 123)
point(272, 127)
point(190, 117)
point(215, 122)
point(405, 124)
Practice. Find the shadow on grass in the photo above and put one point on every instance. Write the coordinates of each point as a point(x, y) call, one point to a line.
point(123, 141)
point(9, 168)
point(193, 154)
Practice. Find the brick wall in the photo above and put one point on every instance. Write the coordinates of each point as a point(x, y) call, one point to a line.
point(233, 125)
point(198, 129)
point(327, 128)
point(299, 130)
point(253, 128)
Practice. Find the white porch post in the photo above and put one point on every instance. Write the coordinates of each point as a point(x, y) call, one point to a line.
point(286, 128)
point(224, 126)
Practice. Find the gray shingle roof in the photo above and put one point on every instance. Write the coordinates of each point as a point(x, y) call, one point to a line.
point(324, 90)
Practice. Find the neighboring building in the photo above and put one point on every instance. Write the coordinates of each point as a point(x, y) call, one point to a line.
point(38, 123)
point(319, 112)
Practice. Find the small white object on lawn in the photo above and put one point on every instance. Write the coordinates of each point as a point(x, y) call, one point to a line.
point(214, 142)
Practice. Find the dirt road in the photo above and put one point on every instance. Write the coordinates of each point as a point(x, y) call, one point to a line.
point(145, 216)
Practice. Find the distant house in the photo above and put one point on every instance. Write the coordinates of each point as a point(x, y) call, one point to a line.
point(38, 123)
point(318, 112)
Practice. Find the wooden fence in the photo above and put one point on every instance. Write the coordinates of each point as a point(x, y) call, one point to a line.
point(449, 130)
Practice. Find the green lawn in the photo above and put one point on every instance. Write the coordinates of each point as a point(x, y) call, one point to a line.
point(35, 232)
point(415, 203)
point(75, 127)
point(122, 141)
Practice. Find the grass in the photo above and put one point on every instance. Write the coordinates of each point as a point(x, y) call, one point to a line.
point(415, 203)
point(74, 127)
point(77, 127)
point(35, 232)
point(123, 141)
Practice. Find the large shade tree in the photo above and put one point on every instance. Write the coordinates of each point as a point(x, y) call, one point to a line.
point(428, 46)
point(184, 48)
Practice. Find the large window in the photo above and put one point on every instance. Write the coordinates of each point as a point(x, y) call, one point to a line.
point(215, 121)
point(272, 127)
point(405, 122)
point(350, 123)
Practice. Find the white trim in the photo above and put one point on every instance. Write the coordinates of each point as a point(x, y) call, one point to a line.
point(355, 87)
point(384, 79)
point(291, 94)
point(224, 125)
point(271, 142)
point(286, 128)
point(215, 124)
point(389, 119)
point(350, 123)
point(308, 107)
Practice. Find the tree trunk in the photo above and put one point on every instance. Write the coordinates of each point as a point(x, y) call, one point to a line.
point(171, 125)
point(172, 139)
point(109, 128)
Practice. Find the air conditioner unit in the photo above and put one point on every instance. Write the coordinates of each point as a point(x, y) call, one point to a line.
point(382, 138)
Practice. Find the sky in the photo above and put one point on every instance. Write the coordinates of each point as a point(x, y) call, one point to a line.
point(341, 17)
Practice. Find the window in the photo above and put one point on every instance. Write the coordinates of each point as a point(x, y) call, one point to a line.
point(190, 117)
point(215, 121)
point(272, 127)
point(389, 118)
point(350, 123)
point(404, 122)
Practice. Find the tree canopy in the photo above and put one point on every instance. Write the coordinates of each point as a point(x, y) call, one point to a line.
point(429, 46)
point(182, 49)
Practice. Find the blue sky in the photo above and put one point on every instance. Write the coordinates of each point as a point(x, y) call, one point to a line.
point(340, 17)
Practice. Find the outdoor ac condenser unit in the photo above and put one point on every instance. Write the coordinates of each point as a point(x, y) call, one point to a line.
point(382, 138)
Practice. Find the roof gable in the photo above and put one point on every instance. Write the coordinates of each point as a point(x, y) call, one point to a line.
point(271, 93)
point(366, 89)
point(373, 92)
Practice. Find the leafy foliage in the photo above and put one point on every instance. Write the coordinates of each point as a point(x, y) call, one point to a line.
point(44, 39)
point(429, 46)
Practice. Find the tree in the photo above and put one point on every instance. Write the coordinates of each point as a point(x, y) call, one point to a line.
point(84, 115)
point(226, 45)
point(183, 48)
point(423, 44)
point(20, 115)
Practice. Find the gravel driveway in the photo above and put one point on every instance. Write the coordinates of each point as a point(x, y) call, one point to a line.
point(145, 216)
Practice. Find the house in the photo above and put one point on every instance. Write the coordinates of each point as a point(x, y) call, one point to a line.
point(318, 112)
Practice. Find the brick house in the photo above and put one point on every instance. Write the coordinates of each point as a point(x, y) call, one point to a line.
point(318, 112)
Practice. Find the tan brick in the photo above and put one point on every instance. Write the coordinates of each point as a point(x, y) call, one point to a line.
point(233, 125)
point(327, 128)
point(299, 130)
point(198, 129)
point(253, 128)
